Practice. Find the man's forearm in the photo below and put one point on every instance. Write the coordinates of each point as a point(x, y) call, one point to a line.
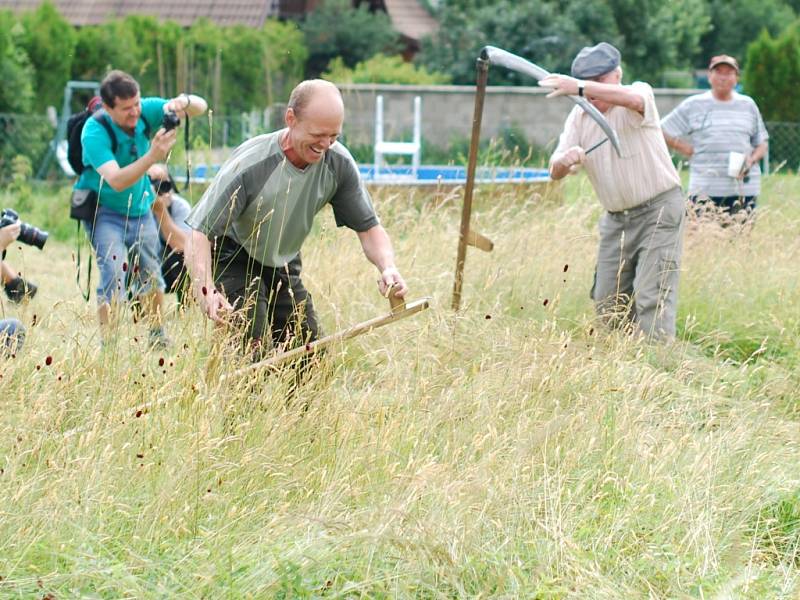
point(189, 104)
point(198, 260)
point(175, 237)
point(122, 178)
point(679, 145)
point(197, 106)
point(618, 95)
point(377, 247)
point(759, 152)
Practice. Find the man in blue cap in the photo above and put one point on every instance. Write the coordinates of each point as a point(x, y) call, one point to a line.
point(641, 231)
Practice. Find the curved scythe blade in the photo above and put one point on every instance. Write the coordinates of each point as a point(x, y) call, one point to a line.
point(503, 58)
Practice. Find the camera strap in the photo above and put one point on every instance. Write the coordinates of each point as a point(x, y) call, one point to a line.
point(87, 293)
point(186, 151)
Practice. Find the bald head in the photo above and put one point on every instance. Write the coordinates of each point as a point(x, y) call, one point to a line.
point(315, 96)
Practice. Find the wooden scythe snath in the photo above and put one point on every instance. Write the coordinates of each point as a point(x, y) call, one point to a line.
point(398, 310)
point(467, 237)
point(497, 56)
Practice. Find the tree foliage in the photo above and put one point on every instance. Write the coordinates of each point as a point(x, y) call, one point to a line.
point(736, 23)
point(657, 35)
point(49, 41)
point(772, 73)
point(16, 73)
point(541, 31)
point(236, 68)
point(336, 29)
point(653, 35)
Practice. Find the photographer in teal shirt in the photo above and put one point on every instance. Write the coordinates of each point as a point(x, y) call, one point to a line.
point(123, 232)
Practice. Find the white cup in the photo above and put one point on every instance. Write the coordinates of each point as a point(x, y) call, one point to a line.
point(735, 164)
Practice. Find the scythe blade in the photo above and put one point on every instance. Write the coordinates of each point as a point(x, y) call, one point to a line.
point(503, 58)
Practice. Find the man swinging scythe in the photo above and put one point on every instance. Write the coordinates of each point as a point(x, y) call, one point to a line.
point(499, 57)
point(636, 280)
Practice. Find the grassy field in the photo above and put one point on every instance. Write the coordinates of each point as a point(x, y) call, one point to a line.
point(515, 449)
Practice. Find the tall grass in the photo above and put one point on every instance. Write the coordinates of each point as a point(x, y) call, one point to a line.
point(515, 449)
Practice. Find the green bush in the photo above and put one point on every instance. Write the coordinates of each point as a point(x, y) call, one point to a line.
point(237, 69)
point(383, 69)
point(770, 75)
point(773, 68)
point(16, 73)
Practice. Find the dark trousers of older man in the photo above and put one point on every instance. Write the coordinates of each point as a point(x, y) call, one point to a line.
point(274, 306)
point(638, 264)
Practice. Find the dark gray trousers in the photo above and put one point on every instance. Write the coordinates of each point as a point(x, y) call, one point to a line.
point(638, 265)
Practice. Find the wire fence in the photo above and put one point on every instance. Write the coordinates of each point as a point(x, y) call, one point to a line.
point(784, 147)
point(32, 137)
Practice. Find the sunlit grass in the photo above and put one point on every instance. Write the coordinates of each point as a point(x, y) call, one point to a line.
point(514, 449)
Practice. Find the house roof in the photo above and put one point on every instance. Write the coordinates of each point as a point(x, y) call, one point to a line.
point(252, 13)
point(410, 18)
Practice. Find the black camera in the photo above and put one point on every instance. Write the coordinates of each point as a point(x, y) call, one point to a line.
point(170, 121)
point(162, 186)
point(28, 234)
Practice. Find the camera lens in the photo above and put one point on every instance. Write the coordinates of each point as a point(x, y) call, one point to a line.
point(33, 236)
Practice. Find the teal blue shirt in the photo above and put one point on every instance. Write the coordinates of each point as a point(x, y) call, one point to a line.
point(138, 198)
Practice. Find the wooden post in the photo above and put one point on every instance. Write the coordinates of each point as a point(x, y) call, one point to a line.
point(482, 67)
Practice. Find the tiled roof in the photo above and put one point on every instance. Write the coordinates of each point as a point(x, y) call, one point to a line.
point(252, 13)
point(410, 18)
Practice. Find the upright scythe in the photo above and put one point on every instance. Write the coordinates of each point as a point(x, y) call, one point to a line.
point(496, 56)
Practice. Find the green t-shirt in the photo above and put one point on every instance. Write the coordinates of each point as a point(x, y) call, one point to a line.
point(267, 205)
point(137, 199)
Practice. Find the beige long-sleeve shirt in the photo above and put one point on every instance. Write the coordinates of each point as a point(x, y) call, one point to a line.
point(645, 168)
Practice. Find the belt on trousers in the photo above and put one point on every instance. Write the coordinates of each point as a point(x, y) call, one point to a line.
point(644, 205)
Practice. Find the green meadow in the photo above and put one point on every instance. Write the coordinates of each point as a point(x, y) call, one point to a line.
point(513, 449)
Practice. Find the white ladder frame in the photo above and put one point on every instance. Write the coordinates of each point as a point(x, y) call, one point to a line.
point(383, 148)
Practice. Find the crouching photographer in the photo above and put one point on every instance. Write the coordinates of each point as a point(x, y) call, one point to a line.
point(16, 288)
point(171, 211)
point(12, 333)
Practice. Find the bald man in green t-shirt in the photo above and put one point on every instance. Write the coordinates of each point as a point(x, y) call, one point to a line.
point(254, 218)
